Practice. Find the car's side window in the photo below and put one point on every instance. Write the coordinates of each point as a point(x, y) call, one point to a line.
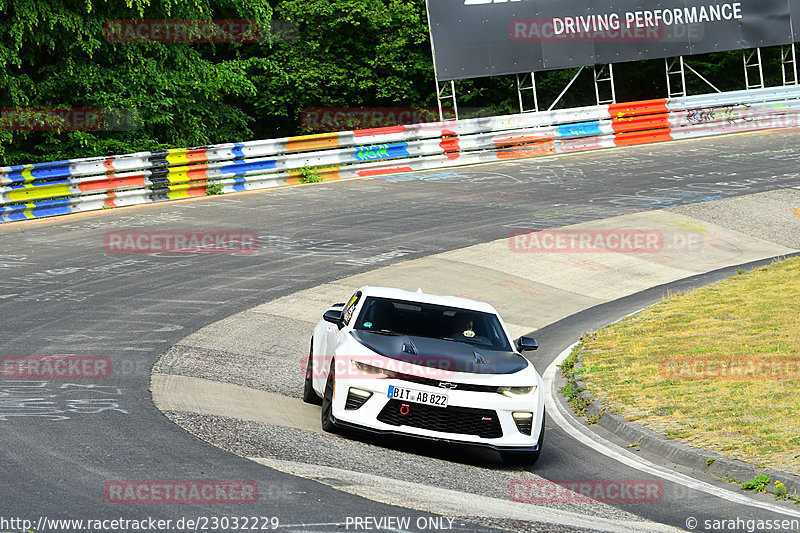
point(350, 307)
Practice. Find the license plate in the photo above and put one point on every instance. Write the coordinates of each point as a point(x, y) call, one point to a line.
point(417, 396)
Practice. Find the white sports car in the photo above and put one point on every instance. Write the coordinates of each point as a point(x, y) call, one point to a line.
point(436, 367)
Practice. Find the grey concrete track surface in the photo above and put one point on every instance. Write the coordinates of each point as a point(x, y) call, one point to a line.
point(217, 381)
point(61, 293)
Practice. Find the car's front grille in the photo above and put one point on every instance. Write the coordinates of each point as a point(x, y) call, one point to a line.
point(462, 420)
point(448, 385)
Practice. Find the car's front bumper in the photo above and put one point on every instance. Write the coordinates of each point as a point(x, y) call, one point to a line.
point(366, 417)
point(495, 447)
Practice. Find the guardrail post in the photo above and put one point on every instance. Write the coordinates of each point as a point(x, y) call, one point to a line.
point(676, 76)
point(753, 61)
point(530, 79)
point(789, 60)
point(604, 75)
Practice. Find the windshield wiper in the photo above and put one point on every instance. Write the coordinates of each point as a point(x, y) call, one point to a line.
point(462, 341)
point(471, 344)
point(384, 332)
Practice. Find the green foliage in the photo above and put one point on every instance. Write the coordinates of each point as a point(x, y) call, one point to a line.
point(636, 444)
point(309, 175)
point(348, 53)
point(214, 187)
point(54, 54)
point(758, 483)
point(344, 53)
point(780, 491)
point(569, 363)
point(572, 393)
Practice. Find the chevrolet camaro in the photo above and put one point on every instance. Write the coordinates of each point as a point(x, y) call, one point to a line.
point(438, 367)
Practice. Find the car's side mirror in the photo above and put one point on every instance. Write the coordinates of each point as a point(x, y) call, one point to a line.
point(525, 344)
point(334, 316)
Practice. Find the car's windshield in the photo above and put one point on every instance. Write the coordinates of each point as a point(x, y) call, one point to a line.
point(387, 316)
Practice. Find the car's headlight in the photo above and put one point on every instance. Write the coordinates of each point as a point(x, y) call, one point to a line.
point(514, 392)
point(372, 370)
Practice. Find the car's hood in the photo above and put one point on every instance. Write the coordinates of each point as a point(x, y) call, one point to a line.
point(437, 353)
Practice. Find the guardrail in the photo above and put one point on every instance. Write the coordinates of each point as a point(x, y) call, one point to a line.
point(77, 185)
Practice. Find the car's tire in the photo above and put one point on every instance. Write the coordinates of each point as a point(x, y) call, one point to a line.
point(309, 394)
point(327, 402)
point(525, 458)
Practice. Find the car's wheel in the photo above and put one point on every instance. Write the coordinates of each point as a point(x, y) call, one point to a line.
point(525, 458)
point(309, 394)
point(327, 402)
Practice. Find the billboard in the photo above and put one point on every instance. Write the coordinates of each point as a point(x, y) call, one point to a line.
point(476, 38)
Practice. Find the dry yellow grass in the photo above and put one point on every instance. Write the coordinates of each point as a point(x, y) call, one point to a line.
point(669, 368)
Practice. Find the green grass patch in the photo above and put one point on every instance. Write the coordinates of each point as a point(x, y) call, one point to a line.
point(571, 393)
point(717, 368)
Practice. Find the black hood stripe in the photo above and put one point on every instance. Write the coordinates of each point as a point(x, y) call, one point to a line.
point(442, 354)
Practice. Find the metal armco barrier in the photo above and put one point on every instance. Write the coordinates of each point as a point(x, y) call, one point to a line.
point(77, 185)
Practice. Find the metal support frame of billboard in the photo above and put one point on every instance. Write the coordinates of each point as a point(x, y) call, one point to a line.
point(442, 93)
point(603, 75)
point(676, 77)
point(527, 82)
point(702, 78)
point(560, 96)
point(675, 69)
point(479, 38)
point(752, 61)
point(789, 61)
point(446, 91)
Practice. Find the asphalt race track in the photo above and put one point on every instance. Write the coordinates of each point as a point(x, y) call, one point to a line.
point(61, 292)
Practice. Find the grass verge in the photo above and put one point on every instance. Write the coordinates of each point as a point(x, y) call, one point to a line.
point(717, 368)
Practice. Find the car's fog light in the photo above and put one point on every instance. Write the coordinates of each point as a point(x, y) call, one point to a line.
point(356, 398)
point(524, 422)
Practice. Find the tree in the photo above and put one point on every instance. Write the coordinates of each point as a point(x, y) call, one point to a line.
point(54, 54)
point(347, 53)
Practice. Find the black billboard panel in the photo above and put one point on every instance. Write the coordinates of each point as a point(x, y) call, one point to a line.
point(794, 10)
point(475, 38)
point(560, 48)
point(766, 24)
